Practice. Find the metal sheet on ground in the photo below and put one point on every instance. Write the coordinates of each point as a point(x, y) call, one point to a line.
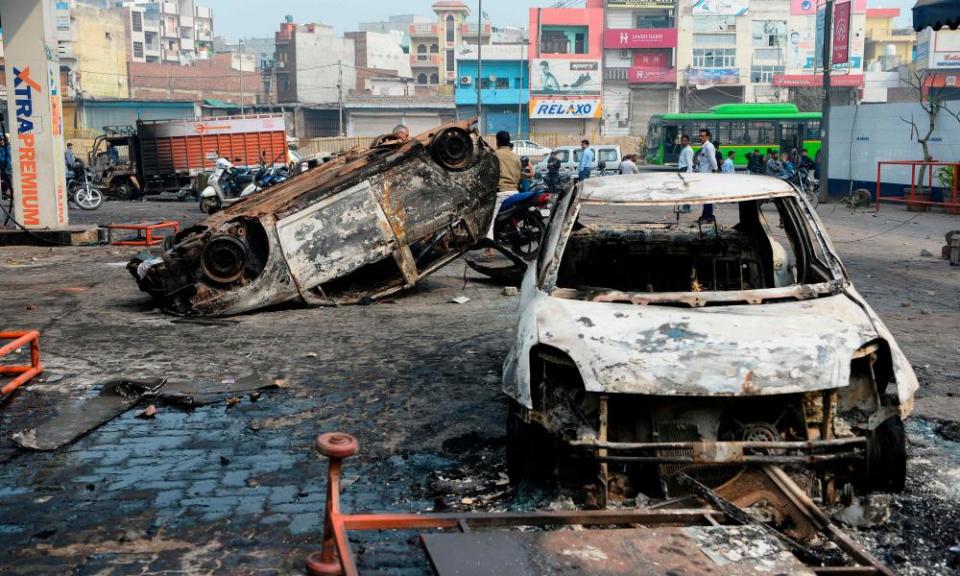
point(713, 550)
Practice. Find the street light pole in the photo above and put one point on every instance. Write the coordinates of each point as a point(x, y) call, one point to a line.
point(479, 64)
point(825, 120)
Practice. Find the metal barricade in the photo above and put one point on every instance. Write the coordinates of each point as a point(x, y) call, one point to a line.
point(145, 233)
point(21, 374)
point(918, 198)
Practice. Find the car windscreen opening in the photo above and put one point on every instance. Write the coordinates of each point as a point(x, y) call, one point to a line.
point(750, 245)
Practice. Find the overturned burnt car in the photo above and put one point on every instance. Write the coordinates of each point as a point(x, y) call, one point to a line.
point(655, 338)
point(364, 225)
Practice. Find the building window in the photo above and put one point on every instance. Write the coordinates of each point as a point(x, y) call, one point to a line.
point(421, 79)
point(563, 40)
point(714, 57)
point(451, 61)
point(421, 48)
point(654, 21)
point(451, 28)
point(137, 21)
point(715, 24)
point(138, 49)
point(714, 40)
point(502, 83)
point(769, 33)
point(764, 74)
point(434, 49)
point(554, 42)
point(434, 78)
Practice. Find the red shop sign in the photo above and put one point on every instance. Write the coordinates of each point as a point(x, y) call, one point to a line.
point(643, 75)
point(841, 33)
point(640, 38)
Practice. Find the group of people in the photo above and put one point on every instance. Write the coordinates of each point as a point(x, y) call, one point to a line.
point(710, 159)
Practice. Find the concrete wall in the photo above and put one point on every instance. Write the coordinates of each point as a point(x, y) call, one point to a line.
point(214, 78)
point(102, 51)
point(862, 135)
point(316, 54)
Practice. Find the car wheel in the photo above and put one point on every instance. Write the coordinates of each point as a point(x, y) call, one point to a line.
point(531, 450)
point(886, 467)
point(124, 190)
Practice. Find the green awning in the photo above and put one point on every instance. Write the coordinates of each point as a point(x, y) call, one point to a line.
point(215, 103)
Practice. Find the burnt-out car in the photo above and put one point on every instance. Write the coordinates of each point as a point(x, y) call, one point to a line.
point(367, 224)
point(654, 339)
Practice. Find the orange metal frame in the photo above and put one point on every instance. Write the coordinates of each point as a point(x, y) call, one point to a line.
point(21, 374)
point(145, 233)
point(953, 206)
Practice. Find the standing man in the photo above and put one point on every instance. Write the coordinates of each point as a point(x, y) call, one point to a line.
point(685, 164)
point(70, 159)
point(509, 182)
point(586, 159)
point(629, 164)
point(707, 160)
point(728, 167)
point(553, 172)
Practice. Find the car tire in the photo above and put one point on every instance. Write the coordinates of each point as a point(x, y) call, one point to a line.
point(124, 190)
point(886, 465)
point(531, 451)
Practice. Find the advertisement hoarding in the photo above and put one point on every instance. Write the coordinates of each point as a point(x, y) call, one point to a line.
point(720, 7)
point(565, 77)
point(713, 76)
point(816, 80)
point(631, 4)
point(647, 75)
point(565, 108)
point(938, 50)
point(640, 38)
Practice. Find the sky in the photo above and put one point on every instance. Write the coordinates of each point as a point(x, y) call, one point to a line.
point(262, 18)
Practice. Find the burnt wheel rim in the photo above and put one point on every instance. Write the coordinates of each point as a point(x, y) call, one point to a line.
point(452, 148)
point(224, 259)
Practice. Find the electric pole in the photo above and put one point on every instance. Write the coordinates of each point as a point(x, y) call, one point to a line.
point(825, 121)
point(240, 54)
point(479, 64)
point(340, 94)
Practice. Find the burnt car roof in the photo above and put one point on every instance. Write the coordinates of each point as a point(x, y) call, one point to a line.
point(672, 188)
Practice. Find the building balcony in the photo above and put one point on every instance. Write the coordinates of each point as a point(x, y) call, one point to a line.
point(424, 30)
point(425, 60)
point(470, 29)
point(466, 95)
point(186, 44)
point(202, 12)
point(204, 35)
point(186, 21)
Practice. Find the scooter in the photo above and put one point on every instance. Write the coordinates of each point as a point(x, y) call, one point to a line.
point(223, 187)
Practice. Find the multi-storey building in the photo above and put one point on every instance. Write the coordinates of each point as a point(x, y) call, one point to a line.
point(179, 31)
point(885, 44)
point(398, 24)
point(639, 77)
point(433, 46)
point(566, 76)
point(503, 79)
point(313, 65)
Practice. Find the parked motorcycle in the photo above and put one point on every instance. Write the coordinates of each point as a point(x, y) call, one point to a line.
point(79, 190)
point(804, 181)
point(225, 186)
point(521, 224)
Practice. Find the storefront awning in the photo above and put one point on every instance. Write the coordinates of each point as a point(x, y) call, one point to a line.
point(936, 13)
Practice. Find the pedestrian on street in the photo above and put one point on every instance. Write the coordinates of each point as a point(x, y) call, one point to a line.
point(774, 167)
point(728, 167)
point(510, 173)
point(707, 159)
point(629, 164)
point(586, 160)
point(70, 159)
point(553, 172)
point(685, 164)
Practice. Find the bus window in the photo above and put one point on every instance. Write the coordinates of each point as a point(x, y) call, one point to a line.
point(812, 130)
point(733, 133)
point(761, 133)
point(789, 137)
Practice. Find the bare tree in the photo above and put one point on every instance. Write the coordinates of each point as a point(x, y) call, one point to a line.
point(932, 102)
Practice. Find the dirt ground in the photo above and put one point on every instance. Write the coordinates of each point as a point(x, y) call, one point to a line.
point(237, 488)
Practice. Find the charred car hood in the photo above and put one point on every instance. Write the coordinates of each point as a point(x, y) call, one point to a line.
point(736, 350)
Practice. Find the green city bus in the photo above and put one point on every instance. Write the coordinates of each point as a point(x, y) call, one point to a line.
point(737, 127)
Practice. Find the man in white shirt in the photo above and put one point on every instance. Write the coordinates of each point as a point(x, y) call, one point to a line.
point(629, 165)
point(685, 164)
point(707, 159)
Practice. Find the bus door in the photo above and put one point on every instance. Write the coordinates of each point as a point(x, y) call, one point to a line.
point(671, 144)
point(791, 136)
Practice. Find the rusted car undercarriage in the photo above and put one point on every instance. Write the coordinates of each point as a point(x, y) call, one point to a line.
point(364, 225)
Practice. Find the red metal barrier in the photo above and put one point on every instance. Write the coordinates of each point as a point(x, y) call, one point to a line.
point(920, 200)
point(21, 373)
point(145, 233)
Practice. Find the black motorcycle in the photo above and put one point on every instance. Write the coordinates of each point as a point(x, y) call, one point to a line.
point(520, 223)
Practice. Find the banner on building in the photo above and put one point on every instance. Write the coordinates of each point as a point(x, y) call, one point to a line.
point(803, 7)
point(565, 77)
point(720, 7)
point(841, 33)
point(565, 108)
point(816, 80)
point(640, 38)
point(646, 75)
point(630, 4)
point(938, 50)
point(818, 43)
point(713, 76)
point(61, 19)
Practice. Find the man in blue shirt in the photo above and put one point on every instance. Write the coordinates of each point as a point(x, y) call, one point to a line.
point(586, 159)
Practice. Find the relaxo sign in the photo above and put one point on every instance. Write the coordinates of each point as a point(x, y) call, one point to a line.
point(555, 108)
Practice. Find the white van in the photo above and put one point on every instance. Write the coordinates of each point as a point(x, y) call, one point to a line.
point(569, 157)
